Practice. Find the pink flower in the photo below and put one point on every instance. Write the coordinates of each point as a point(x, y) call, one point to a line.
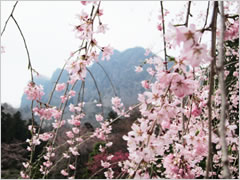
point(116, 101)
point(35, 140)
point(232, 32)
point(63, 98)
point(25, 164)
point(23, 175)
point(107, 52)
point(84, 2)
point(64, 172)
point(74, 151)
point(182, 87)
point(70, 134)
point(75, 130)
point(196, 55)
point(71, 108)
point(47, 163)
point(151, 71)
point(138, 68)
point(145, 84)
point(60, 87)
point(159, 27)
point(105, 164)
point(100, 12)
point(84, 31)
point(79, 139)
point(45, 136)
point(72, 93)
point(109, 144)
point(72, 167)
point(109, 173)
point(33, 91)
point(101, 148)
point(102, 28)
point(99, 117)
point(196, 111)
point(66, 155)
point(58, 124)
point(110, 157)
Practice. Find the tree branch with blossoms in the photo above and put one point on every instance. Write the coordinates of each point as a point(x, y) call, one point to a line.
point(181, 107)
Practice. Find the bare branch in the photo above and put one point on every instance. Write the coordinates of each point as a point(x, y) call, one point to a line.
point(211, 86)
point(25, 44)
point(188, 13)
point(224, 105)
point(99, 93)
point(114, 90)
point(164, 40)
point(6, 23)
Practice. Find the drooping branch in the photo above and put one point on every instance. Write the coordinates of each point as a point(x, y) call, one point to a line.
point(224, 105)
point(164, 39)
point(6, 23)
point(60, 74)
point(114, 89)
point(211, 86)
point(26, 47)
point(98, 91)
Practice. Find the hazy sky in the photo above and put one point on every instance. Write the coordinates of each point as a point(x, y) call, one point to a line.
point(48, 29)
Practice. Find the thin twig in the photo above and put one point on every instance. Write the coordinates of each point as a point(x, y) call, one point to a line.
point(164, 39)
point(211, 87)
point(114, 89)
point(188, 13)
point(25, 44)
point(6, 23)
point(98, 91)
point(205, 23)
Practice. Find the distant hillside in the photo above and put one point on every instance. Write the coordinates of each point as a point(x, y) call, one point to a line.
point(121, 70)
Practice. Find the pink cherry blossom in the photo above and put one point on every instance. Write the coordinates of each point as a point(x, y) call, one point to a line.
point(26, 165)
point(60, 87)
point(102, 28)
point(64, 172)
point(74, 151)
point(63, 99)
point(109, 173)
point(70, 134)
point(99, 117)
point(33, 91)
point(138, 69)
point(75, 130)
point(107, 52)
point(145, 84)
point(159, 27)
point(72, 167)
point(45, 136)
point(72, 93)
point(105, 164)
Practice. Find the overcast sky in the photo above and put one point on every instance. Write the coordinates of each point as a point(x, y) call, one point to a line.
point(48, 29)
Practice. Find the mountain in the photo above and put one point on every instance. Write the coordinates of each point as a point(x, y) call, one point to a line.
point(121, 70)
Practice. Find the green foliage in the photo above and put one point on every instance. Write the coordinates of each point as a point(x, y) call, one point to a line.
point(13, 127)
point(95, 150)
